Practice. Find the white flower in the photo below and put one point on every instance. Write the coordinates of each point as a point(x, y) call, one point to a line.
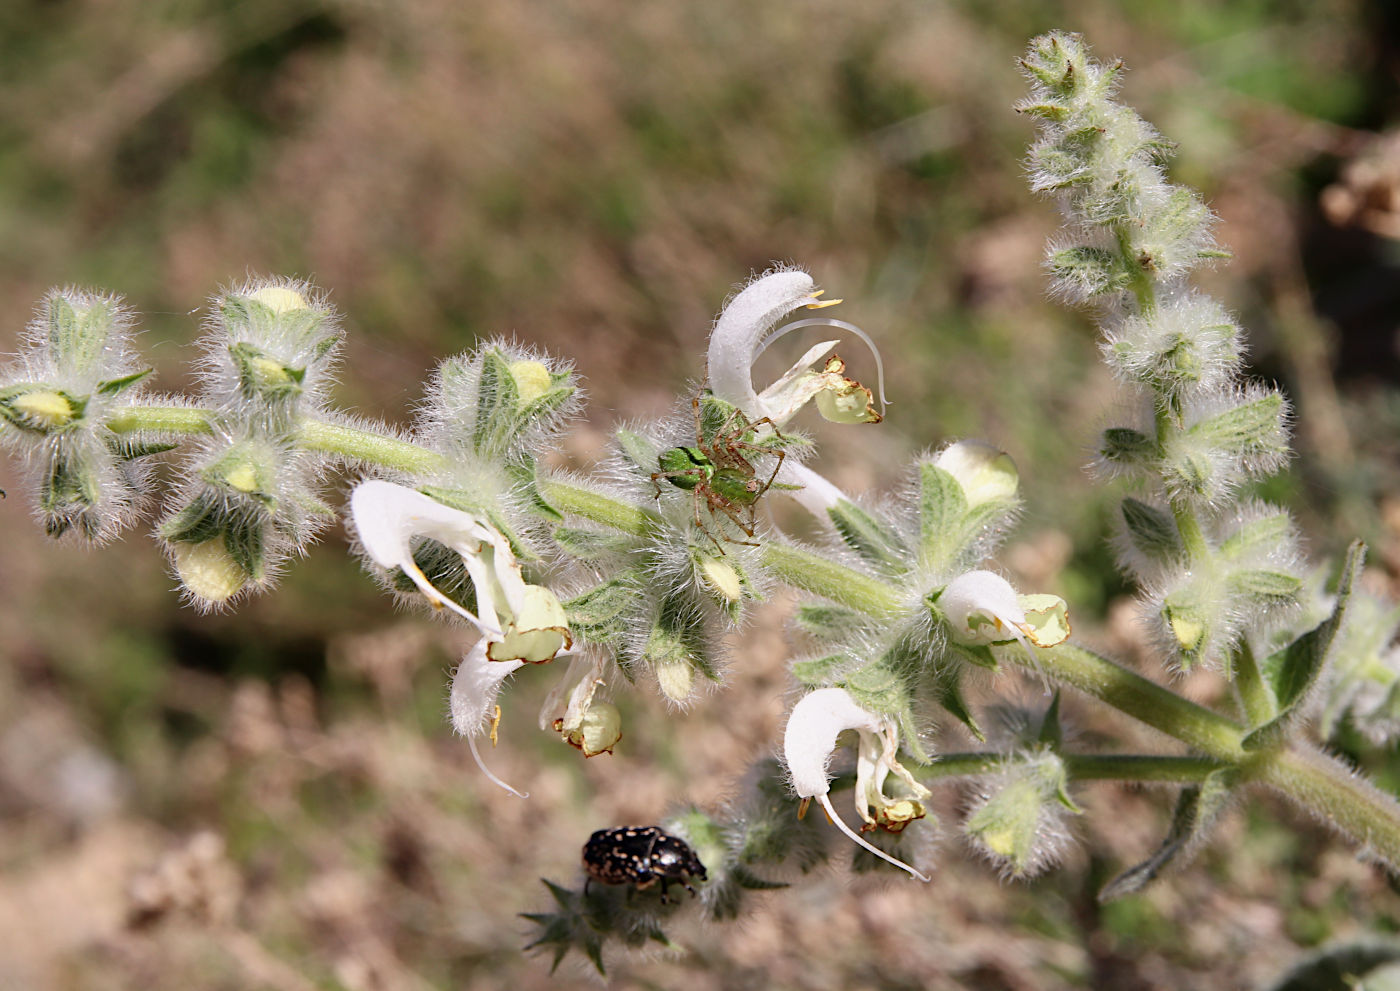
point(474, 689)
point(520, 621)
point(982, 608)
point(744, 331)
point(808, 743)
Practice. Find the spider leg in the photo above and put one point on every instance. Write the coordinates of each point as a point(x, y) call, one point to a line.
point(709, 497)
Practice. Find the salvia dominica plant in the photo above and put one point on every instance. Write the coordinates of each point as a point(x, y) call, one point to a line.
point(629, 579)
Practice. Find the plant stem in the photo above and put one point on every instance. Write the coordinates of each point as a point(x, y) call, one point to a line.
point(821, 576)
point(599, 508)
point(1084, 767)
point(1334, 793)
point(1139, 697)
point(161, 419)
point(1255, 695)
point(368, 446)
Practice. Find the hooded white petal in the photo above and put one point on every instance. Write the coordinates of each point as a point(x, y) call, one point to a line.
point(741, 327)
point(983, 608)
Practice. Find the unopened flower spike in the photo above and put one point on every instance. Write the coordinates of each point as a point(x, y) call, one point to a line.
point(983, 608)
point(745, 329)
point(809, 741)
point(474, 689)
point(520, 621)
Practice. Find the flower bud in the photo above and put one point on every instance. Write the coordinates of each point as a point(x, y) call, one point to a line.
point(532, 380)
point(1019, 821)
point(676, 679)
point(984, 473)
point(39, 409)
point(208, 571)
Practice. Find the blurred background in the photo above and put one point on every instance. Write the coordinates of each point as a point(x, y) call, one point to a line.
point(272, 798)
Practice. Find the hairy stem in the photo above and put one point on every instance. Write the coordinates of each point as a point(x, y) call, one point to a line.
point(367, 446)
point(1084, 767)
point(161, 419)
point(599, 508)
point(1335, 794)
point(1139, 697)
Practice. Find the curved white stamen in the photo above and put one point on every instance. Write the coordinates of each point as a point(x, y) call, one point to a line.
point(850, 328)
point(471, 742)
point(841, 825)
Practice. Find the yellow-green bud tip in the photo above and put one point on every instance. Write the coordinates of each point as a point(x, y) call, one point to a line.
point(532, 380)
point(280, 299)
point(209, 572)
point(44, 408)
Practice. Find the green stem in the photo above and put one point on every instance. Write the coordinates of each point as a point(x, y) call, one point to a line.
point(161, 419)
point(1255, 695)
point(1139, 697)
point(1143, 287)
point(1332, 791)
point(368, 446)
point(599, 508)
point(822, 576)
point(1084, 767)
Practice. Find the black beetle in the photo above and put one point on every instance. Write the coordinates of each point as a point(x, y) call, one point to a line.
point(641, 856)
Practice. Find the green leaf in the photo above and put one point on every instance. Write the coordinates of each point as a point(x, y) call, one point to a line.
point(593, 545)
point(1127, 447)
point(872, 539)
point(77, 337)
point(1091, 271)
point(947, 682)
point(942, 506)
point(198, 520)
point(826, 622)
point(1294, 671)
point(1051, 732)
point(603, 614)
point(543, 406)
point(638, 450)
point(497, 406)
point(1260, 534)
point(750, 881)
point(818, 672)
point(1264, 586)
point(526, 479)
point(880, 685)
point(1151, 531)
point(1253, 427)
point(678, 637)
point(111, 387)
point(1197, 810)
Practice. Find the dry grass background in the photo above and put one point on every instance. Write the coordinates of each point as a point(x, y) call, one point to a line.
point(272, 799)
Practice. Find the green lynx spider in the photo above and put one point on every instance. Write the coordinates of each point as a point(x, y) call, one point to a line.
point(716, 472)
